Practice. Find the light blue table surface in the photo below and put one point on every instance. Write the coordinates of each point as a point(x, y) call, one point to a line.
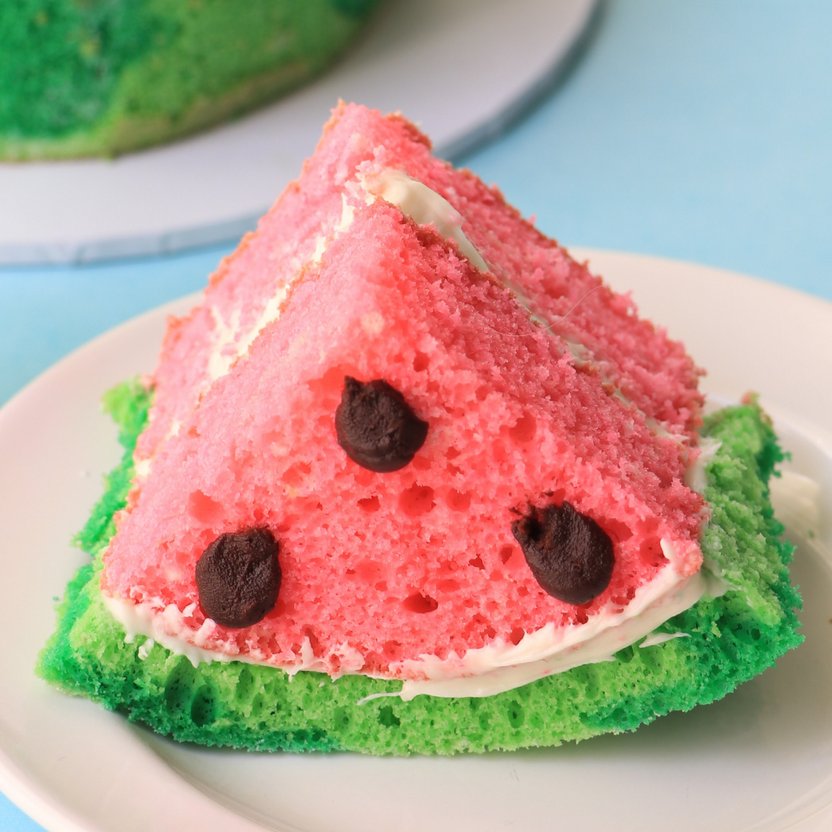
point(695, 130)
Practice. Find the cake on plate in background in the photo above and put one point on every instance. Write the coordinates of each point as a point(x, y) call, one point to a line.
point(105, 77)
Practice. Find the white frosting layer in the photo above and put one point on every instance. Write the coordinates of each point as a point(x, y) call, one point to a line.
point(483, 671)
point(171, 627)
point(695, 475)
point(503, 666)
point(425, 207)
point(230, 345)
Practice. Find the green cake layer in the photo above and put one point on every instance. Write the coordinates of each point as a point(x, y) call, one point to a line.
point(101, 77)
point(731, 639)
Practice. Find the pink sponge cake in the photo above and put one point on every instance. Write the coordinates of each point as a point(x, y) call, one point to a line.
point(405, 437)
point(543, 407)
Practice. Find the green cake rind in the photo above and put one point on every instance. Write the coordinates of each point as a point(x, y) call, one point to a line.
point(730, 640)
point(96, 78)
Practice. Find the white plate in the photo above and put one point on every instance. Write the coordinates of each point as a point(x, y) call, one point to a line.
point(461, 69)
point(759, 760)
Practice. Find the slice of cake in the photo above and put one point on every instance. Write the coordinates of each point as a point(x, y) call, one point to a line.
point(409, 465)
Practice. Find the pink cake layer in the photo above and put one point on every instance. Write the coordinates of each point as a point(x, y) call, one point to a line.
point(649, 370)
point(378, 568)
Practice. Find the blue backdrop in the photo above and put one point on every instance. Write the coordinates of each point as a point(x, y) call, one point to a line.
point(696, 130)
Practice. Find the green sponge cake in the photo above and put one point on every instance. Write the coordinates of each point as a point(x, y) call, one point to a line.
point(410, 479)
point(726, 641)
point(102, 77)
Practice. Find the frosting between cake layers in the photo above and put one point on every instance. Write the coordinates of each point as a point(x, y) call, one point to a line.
point(413, 198)
point(503, 666)
point(424, 206)
point(655, 639)
point(231, 344)
point(483, 671)
point(228, 347)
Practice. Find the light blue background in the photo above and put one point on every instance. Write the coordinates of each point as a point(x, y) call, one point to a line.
point(696, 130)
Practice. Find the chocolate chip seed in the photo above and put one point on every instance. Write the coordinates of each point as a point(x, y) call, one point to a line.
point(238, 577)
point(376, 426)
point(569, 554)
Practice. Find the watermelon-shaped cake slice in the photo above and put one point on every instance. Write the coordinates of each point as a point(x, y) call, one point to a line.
point(408, 448)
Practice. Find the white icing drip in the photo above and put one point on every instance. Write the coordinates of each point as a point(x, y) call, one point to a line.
point(144, 648)
point(654, 639)
point(320, 249)
point(322, 241)
point(141, 469)
point(695, 475)
point(425, 207)
point(347, 216)
point(581, 356)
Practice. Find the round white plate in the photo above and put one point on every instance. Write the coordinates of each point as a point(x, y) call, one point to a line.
point(759, 760)
point(461, 69)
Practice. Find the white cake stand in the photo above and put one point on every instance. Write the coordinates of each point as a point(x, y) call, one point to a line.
point(462, 69)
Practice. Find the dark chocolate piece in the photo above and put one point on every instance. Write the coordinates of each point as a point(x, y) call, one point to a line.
point(238, 577)
point(376, 426)
point(569, 554)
